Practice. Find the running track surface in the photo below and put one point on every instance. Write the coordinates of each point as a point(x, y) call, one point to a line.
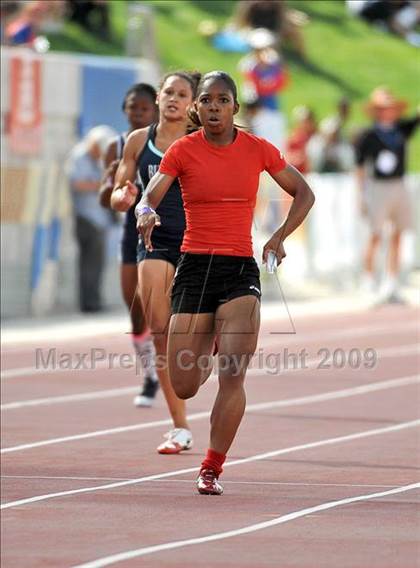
point(324, 471)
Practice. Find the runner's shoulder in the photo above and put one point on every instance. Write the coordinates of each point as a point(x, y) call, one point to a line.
point(138, 136)
point(136, 141)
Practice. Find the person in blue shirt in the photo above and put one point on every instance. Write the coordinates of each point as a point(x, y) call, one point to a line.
point(265, 77)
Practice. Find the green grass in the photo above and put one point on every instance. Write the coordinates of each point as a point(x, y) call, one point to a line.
point(75, 39)
point(345, 56)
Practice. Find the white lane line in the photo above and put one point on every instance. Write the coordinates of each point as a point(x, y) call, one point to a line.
point(27, 371)
point(291, 483)
point(92, 395)
point(256, 457)
point(331, 395)
point(129, 554)
point(122, 391)
point(286, 339)
point(69, 478)
point(97, 433)
point(288, 483)
point(344, 393)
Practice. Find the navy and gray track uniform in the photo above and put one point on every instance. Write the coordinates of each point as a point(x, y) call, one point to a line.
point(167, 238)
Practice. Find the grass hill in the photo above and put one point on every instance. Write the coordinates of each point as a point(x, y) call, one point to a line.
point(345, 55)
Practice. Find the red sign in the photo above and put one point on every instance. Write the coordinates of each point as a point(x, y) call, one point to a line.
point(25, 134)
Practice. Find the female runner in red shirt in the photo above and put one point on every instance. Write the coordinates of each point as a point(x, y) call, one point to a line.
point(216, 290)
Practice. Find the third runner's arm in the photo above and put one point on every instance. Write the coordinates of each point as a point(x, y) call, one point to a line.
point(147, 218)
point(294, 184)
point(107, 183)
point(125, 192)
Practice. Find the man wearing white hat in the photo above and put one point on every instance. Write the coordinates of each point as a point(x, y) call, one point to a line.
point(381, 165)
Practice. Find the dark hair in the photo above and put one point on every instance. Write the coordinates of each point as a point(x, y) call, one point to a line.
point(140, 89)
point(219, 76)
point(193, 78)
point(214, 76)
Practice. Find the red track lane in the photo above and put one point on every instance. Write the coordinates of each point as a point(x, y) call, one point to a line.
point(77, 528)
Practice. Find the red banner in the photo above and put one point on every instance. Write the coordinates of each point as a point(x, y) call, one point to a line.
point(25, 127)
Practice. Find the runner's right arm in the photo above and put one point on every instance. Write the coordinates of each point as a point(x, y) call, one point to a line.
point(147, 218)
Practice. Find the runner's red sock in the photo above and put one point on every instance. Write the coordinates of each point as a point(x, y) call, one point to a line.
point(214, 461)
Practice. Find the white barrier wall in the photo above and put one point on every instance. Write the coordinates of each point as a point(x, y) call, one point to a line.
point(337, 233)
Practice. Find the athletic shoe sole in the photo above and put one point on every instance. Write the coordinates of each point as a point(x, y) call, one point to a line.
point(173, 448)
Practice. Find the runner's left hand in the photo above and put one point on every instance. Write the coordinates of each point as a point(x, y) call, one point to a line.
point(276, 245)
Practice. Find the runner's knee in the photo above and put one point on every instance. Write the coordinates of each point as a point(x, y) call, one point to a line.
point(185, 390)
point(234, 365)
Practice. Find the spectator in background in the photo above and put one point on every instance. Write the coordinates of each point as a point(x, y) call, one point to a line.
point(265, 76)
point(24, 27)
point(296, 146)
point(249, 109)
point(25, 21)
point(343, 110)
point(381, 165)
point(329, 150)
point(399, 16)
point(8, 11)
point(92, 15)
point(274, 16)
point(85, 171)
point(406, 20)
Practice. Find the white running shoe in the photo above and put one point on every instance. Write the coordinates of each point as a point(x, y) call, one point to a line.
point(177, 440)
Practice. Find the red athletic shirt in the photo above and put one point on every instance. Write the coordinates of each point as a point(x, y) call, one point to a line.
point(219, 187)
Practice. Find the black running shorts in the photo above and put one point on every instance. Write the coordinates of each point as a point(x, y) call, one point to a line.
point(204, 282)
point(162, 250)
point(128, 250)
